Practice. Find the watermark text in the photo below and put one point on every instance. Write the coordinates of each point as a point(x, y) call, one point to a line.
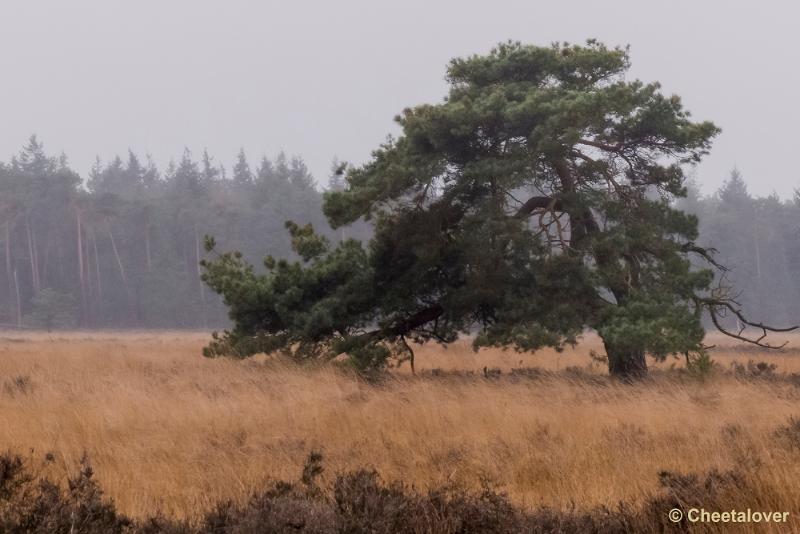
point(701, 515)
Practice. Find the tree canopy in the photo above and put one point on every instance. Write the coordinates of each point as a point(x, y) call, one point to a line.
point(535, 201)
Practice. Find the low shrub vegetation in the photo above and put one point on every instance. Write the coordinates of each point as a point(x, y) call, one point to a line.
point(357, 502)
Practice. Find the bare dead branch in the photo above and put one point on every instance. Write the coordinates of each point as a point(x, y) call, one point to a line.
point(716, 305)
point(410, 351)
point(705, 253)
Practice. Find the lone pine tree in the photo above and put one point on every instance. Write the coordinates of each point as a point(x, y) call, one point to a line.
point(534, 202)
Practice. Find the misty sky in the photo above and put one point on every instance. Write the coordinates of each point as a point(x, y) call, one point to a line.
point(324, 79)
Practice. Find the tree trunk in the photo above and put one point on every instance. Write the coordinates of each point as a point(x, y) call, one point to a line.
point(36, 261)
point(9, 270)
point(626, 363)
point(148, 259)
point(131, 304)
point(97, 270)
point(32, 255)
point(80, 250)
point(81, 277)
point(119, 261)
point(19, 300)
point(199, 277)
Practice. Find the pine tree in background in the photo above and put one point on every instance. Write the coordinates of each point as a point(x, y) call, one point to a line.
point(242, 175)
point(210, 172)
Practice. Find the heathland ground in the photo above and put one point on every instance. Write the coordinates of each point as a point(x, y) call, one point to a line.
point(168, 430)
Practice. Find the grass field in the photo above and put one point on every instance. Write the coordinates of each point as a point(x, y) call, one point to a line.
point(169, 430)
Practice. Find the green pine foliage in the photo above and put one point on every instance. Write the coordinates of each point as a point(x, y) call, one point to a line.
point(546, 194)
point(536, 200)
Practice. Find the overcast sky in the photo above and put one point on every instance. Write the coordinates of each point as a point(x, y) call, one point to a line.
point(324, 79)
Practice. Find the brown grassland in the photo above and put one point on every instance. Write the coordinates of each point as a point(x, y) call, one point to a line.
point(169, 430)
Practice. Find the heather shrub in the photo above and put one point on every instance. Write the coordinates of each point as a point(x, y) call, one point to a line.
point(357, 502)
point(789, 434)
point(30, 504)
point(753, 369)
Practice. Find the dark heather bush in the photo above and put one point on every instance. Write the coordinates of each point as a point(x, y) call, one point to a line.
point(20, 384)
point(789, 434)
point(754, 370)
point(359, 502)
point(39, 506)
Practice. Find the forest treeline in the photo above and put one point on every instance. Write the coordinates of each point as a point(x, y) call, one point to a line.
point(122, 247)
point(758, 239)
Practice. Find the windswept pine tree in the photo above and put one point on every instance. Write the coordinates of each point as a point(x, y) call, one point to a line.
point(122, 247)
point(534, 202)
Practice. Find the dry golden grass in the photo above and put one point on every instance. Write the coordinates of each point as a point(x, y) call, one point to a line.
point(169, 430)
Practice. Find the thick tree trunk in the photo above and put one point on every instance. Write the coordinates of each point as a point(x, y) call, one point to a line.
point(626, 363)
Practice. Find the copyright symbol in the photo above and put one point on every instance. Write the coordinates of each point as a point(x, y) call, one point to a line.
point(675, 515)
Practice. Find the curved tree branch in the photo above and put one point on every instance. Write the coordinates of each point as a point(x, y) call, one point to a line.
point(602, 146)
point(705, 253)
point(717, 305)
point(537, 203)
point(406, 325)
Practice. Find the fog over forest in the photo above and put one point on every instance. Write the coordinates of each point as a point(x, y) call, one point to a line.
point(116, 241)
point(120, 247)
